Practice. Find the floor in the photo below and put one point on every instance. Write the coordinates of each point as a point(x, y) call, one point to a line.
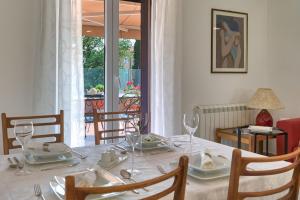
point(90, 135)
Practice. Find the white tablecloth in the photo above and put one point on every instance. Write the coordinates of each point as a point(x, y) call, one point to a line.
point(14, 187)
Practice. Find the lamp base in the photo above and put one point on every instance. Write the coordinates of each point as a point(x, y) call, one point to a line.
point(264, 118)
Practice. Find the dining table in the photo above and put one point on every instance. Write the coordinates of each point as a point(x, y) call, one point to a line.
point(13, 187)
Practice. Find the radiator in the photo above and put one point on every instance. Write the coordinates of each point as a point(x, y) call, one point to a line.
point(222, 116)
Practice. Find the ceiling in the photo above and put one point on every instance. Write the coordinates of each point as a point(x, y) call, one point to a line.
point(129, 19)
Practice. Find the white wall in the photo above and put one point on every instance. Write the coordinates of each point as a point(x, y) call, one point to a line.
point(200, 87)
point(18, 22)
point(284, 53)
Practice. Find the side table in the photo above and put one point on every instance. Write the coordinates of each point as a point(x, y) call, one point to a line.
point(273, 134)
point(231, 134)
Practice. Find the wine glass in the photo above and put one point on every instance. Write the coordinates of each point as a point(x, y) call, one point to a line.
point(23, 131)
point(133, 136)
point(191, 122)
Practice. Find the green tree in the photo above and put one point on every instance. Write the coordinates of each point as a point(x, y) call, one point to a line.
point(125, 51)
point(93, 52)
point(137, 55)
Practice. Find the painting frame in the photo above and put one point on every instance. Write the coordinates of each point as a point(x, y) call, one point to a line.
point(230, 57)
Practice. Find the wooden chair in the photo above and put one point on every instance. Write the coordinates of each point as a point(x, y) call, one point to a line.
point(178, 186)
point(108, 118)
point(239, 168)
point(7, 124)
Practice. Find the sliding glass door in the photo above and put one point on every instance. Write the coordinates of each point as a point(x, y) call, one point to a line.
point(116, 61)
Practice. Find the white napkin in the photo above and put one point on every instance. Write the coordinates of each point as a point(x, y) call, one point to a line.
point(263, 129)
point(207, 162)
point(87, 179)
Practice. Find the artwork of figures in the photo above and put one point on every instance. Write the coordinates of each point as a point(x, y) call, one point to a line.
point(229, 49)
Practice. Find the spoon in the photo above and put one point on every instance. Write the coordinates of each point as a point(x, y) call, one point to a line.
point(127, 175)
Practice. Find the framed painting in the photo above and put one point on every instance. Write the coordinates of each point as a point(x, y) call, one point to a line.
point(229, 41)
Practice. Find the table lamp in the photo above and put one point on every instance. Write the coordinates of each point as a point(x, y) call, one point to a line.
point(264, 99)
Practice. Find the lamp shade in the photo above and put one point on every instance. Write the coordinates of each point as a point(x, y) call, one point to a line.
point(265, 98)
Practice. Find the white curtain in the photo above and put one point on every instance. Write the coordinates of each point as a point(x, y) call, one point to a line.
point(166, 67)
point(59, 77)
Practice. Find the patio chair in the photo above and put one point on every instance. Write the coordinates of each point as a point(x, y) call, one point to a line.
point(110, 128)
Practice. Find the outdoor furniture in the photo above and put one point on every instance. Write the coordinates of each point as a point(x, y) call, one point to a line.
point(239, 167)
point(7, 124)
point(92, 102)
point(178, 187)
point(110, 127)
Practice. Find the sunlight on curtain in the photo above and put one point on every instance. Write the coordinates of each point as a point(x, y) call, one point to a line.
point(166, 67)
point(59, 78)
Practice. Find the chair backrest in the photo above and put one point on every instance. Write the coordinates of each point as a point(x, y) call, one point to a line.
point(110, 124)
point(8, 142)
point(178, 187)
point(239, 168)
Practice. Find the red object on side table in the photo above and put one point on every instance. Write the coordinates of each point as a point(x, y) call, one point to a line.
point(292, 127)
point(264, 118)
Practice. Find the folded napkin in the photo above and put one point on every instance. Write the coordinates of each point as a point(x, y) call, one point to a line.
point(207, 162)
point(263, 129)
point(87, 179)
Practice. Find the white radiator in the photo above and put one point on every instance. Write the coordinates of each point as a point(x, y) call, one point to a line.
point(222, 116)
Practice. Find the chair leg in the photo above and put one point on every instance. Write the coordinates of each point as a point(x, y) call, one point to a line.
point(84, 130)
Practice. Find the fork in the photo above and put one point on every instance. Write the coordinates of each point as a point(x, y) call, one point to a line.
point(38, 191)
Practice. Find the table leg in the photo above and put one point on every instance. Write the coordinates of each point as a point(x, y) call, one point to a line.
point(286, 143)
point(218, 139)
point(239, 137)
point(254, 143)
point(267, 145)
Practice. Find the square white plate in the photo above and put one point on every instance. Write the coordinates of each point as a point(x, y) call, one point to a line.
point(104, 178)
point(36, 161)
point(208, 176)
point(220, 162)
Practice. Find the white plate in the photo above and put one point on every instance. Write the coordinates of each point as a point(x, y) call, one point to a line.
point(36, 150)
point(58, 190)
point(159, 146)
point(104, 178)
point(118, 160)
point(155, 140)
point(54, 159)
point(221, 163)
point(208, 176)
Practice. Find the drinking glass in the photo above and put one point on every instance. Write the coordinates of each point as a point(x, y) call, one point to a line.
point(191, 122)
point(133, 136)
point(23, 131)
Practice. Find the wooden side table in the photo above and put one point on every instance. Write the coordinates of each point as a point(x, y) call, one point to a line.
point(230, 134)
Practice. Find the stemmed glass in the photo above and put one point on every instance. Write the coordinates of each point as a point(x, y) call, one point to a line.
point(133, 136)
point(23, 131)
point(191, 122)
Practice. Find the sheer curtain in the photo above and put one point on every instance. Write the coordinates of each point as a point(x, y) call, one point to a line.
point(59, 76)
point(166, 67)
